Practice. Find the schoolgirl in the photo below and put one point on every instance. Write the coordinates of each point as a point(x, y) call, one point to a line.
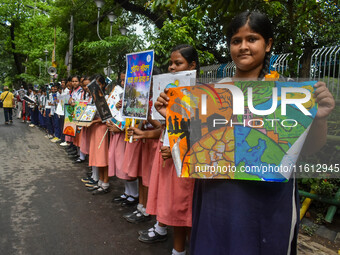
point(249, 217)
point(99, 145)
point(170, 197)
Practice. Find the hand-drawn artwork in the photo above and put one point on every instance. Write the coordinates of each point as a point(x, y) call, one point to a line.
point(79, 109)
point(99, 100)
point(128, 123)
point(250, 130)
point(137, 84)
point(69, 125)
point(88, 113)
point(113, 99)
point(170, 80)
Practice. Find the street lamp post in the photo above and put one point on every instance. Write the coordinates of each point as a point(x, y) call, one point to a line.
point(46, 53)
point(112, 18)
point(40, 60)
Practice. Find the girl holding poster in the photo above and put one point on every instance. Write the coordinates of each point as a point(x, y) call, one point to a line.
point(170, 197)
point(252, 217)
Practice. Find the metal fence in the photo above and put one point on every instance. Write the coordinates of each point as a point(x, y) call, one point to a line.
point(324, 66)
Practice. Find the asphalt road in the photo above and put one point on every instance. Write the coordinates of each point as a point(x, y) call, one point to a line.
point(46, 209)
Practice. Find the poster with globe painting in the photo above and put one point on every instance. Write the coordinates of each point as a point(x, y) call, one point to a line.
point(139, 68)
point(245, 130)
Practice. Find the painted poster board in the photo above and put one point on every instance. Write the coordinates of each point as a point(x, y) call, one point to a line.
point(137, 86)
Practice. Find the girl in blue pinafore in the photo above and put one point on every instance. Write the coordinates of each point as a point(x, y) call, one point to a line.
point(248, 217)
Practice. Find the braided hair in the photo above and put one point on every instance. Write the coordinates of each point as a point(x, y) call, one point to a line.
point(259, 23)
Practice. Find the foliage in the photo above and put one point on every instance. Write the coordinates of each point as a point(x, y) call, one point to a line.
point(188, 30)
point(27, 29)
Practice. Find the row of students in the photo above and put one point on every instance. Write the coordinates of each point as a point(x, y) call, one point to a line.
point(217, 216)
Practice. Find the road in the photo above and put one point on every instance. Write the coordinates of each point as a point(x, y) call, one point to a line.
point(46, 209)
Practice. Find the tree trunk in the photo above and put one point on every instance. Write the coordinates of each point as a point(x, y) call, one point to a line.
point(16, 56)
point(305, 62)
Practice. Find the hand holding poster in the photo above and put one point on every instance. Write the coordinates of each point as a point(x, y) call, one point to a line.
point(137, 84)
point(250, 130)
point(99, 100)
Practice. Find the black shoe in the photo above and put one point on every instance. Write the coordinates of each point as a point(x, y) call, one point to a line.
point(73, 156)
point(91, 183)
point(74, 152)
point(154, 239)
point(146, 231)
point(78, 161)
point(70, 147)
point(128, 203)
point(137, 217)
point(92, 188)
point(120, 198)
point(100, 191)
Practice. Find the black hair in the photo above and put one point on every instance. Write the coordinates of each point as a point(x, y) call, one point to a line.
point(259, 23)
point(69, 78)
point(189, 53)
point(101, 79)
point(75, 76)
point(86, 77)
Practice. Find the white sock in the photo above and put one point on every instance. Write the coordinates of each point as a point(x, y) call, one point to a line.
point(82, 156)
point(127, 188)
point(132, 188)
point(100, 183)
point(144, 211)
point(174, 252)
point(161, 230)
point(140, 207)
point(105, 185)
point(95, 173)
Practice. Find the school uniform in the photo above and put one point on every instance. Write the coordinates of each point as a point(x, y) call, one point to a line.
point(148, 151)
point(48, 120)
point(169, 197)
point(245, 217)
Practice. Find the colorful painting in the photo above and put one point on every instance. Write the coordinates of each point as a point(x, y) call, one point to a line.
point(79, 109)
point(99, 100)
point(137, 84)
point(169, 80)
point(115, 96)
point(249, 130)
point(128, 123)
point(69, 124)
point(88, 113)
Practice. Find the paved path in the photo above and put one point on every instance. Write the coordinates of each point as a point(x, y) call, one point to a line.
point(45, 208)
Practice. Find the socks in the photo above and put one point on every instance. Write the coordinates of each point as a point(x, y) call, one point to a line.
point(143, 211)
point(140, 207)
point(161, 230)
point(174, 252)
point(95, 173)
point(100, 183)
point(82, 156)
point(132, 188)
point(105, 185)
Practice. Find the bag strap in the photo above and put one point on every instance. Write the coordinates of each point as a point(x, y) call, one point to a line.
point(6, 96)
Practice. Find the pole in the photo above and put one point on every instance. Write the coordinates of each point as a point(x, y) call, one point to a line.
point(70, 48)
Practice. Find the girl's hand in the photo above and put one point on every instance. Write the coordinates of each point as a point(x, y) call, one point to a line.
point(119, 105)
point(136, 133)
point(162, 103)
point(166, 153)
point(112, 127)
point(325, 100)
